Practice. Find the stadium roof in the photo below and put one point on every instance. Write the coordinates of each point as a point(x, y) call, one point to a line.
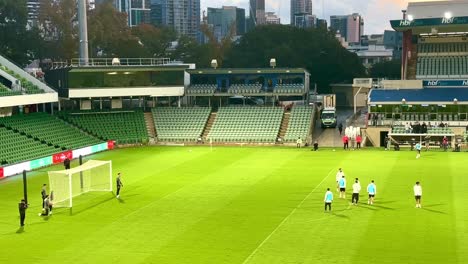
point(247, 70)
point(419, 96)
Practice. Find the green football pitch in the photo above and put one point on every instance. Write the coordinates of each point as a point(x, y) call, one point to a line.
point(248, 205)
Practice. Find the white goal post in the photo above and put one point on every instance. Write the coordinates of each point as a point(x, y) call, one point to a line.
point(92, 176)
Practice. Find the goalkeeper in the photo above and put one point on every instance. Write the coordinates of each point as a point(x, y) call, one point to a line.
point(119, 185)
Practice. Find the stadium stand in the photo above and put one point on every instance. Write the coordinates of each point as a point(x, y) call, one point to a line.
point(246, 124)
point(430, 130)
point(15, 147)
point(299, 123)
point(201, 89)
point(4, 91)
point(180, 124)
point(125, 127)
point(245, 88)
point(442, 60)
point(289, 88)
point(49, 130)
point(29, 88)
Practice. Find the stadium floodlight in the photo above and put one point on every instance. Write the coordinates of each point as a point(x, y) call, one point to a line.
point(448, 15)
point(403, 101)
point(92, 176)
point(455, 101)
point(214, 63)
point(410, 18)
point(273, 62)
point(115, 61)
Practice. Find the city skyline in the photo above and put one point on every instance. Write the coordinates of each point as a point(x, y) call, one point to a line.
point(376, 13)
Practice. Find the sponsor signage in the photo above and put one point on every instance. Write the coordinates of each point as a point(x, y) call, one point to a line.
point(445, 83)
point(99, 147)
point(1, 173)
point(41, 162)
point(59, 158)
point(429, 22)
point(17, 168)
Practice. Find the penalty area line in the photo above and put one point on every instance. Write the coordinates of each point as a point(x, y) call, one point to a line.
point(285, 219)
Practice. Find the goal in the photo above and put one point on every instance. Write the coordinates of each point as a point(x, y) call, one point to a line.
point(92, 176)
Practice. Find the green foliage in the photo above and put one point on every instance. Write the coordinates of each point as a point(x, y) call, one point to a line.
point(387, 69)
point(314, 49)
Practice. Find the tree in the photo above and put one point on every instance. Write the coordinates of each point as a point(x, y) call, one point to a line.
point(218, 49)
point(156, 40)
point(316, 50)
point(16, 43)
point(386, 69)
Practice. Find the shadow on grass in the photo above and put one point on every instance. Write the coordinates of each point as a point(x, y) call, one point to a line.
point(432, 210)
point(79, 210)
point(340, 215)
point(20, 230)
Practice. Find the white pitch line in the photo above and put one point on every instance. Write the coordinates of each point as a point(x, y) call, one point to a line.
point(284, 220)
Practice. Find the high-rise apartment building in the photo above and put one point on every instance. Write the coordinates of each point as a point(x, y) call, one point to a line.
point(351, 27)
point(257, 12)
point(223, 20)
point(302, 7)
point(271, 18)
point(182, 15)
point(138, 11)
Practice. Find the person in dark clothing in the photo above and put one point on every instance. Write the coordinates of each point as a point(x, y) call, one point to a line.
point(46, 208)
point(340, 128)
point(315, 145)
point(119, 185)
point(43, 193)
point(22, 206)
point(66, 163)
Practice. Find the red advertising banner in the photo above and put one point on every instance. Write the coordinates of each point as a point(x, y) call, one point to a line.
point(59, 158)
point(110, 144)
point(1, 172)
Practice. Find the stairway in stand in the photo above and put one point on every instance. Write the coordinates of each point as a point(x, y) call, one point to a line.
point(284, 124)
point(209, 125)
point(150, 127)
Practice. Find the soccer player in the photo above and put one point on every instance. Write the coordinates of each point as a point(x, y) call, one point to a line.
point(356, 190)
point(45, 210)
point(339, 175)
point(22, 206)
point(418, 150)
point(43, 193)
point(299, 142)
point(328, 199)
point(372, 191)
point(342, 184)
point(119, 185)
point(417, 194)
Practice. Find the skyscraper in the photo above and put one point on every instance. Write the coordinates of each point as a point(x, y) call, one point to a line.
point(138, 11)
point(222, 19)
point(257, 12)
point(182, 15)
point(303, 7)
point(351, 27)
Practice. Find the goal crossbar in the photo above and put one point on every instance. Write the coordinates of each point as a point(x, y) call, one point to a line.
point(94, 175)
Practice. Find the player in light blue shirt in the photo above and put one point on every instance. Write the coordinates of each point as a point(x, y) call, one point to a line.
point(418, 150)
point(342, 184)
point(372, 191)
point(328, 199)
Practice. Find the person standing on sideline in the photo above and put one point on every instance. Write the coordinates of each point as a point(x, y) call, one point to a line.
point(342, 184)
point(66, 164)
point(119, 185)
point(328, 199)
point(22, 206)
point(356, 190)
point(445, 143)
point(418, 150)
point(340, 128)
point(299, 142)
point(315, 145)
point(358, 141)
point(43, 194)
point(345, 142)
point(417, 194)
point(372, 191)
point(339, 175)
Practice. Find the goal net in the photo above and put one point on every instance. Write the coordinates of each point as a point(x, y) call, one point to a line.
point(94, 175)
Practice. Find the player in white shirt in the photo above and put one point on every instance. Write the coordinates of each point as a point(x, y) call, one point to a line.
point(339, 175)
point(356, 190)
point(417, 194)
point(372, 191)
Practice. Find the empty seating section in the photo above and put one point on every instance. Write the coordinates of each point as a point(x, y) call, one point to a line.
point(180, 124)
point(442, 60)
point(28, 87)
point(49, 130)
point(125, 127)
point(4, 91)
point(246, 124)
point(299, 123)
point(245, 88)
point(289, 88)
point(201, 89)
point(15, 147)
point(430, 117)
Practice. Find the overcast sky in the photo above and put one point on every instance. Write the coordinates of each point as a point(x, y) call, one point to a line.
point(376, 13)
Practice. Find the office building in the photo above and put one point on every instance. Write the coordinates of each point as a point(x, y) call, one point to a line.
point(257, 12)
point(350, 27)
point(301, 8)
point(223, 20)
point(182, 15)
